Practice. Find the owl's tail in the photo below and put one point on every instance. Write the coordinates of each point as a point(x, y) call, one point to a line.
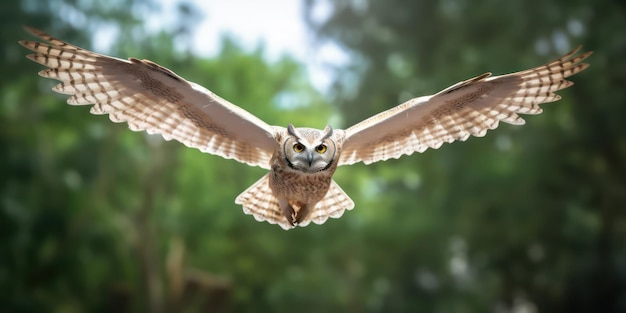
point(333, 205)
point(259, 201)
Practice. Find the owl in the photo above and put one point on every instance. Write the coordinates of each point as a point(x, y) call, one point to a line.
point(298, 188)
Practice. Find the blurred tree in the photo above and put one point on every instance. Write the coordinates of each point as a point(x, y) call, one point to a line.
point(526, 218)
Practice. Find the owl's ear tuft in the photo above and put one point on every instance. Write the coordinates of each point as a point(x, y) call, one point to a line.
point(292, 131)
point(328, 131)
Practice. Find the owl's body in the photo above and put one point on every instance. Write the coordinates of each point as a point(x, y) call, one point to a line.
point(298, 191)
point(299, 187)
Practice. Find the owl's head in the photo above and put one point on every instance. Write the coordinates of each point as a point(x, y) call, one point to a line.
point(309, 150)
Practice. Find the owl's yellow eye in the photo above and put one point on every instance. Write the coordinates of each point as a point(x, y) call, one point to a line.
point(320, 148)
point(298, 147)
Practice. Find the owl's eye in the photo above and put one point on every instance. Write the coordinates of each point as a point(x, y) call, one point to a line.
point(298, 147)
point(320, 148)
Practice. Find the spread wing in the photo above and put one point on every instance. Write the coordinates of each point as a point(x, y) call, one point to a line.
point(150, 97)
point(467, 108)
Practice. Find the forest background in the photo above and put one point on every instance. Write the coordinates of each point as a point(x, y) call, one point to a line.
point(95, 218)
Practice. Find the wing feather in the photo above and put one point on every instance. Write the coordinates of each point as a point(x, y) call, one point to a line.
point(468, 108)
point(154, 99)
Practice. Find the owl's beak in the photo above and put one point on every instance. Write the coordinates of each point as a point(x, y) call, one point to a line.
point(309, 157)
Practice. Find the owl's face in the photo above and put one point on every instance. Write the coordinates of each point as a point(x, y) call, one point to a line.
point(309, 150)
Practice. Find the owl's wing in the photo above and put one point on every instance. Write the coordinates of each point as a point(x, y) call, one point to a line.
point(467, 108)
point(150, 97)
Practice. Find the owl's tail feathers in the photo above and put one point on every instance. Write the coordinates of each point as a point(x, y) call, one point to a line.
point(259, 201)
point(333, 205)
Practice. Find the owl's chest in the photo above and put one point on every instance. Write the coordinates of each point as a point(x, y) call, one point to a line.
point(296, 186)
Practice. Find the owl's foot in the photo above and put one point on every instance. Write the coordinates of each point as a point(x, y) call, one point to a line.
point(294, 212)
point(300, 214)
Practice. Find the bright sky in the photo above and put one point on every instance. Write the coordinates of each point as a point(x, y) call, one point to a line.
point(277, 23)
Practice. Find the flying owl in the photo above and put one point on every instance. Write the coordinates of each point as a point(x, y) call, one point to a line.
point(298, 189)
